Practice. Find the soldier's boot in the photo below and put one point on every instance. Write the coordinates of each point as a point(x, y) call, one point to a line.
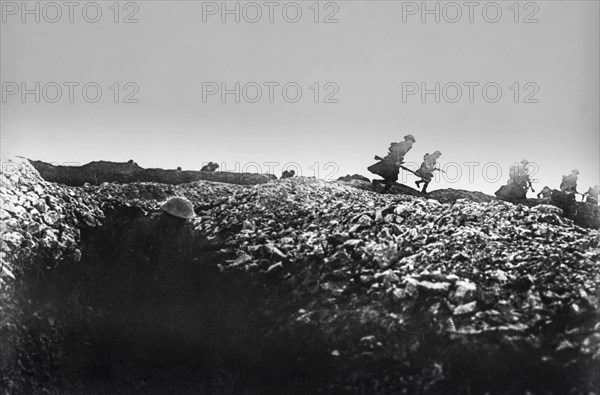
point(388, 186)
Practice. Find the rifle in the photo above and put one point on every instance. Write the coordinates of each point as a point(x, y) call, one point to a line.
point(377, 157)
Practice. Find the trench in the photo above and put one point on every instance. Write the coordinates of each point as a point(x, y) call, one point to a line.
point(156, 314)
point(134, 318)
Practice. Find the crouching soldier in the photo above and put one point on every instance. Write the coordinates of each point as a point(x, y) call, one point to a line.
point(158, 245)
point(288, 174)
point(569, 182)
point(592, 195)
point(211, 166)
point(517, 184)
point(545, 193)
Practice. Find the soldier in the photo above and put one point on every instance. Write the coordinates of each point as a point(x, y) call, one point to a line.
point(389, 166)
point(518, 183)
point(569, 182)
point(592, 195)
point(545, 193)
point(288, 174)
point(519, 175)
point(160, 239)
point(426, 170)
point(211, 166)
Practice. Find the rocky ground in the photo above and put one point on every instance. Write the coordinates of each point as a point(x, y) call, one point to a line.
point(299, 286)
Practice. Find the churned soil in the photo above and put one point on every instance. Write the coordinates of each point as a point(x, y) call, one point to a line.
point(294, 286)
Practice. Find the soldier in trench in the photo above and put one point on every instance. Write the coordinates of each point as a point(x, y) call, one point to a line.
point(155, 249)
point(145, 280)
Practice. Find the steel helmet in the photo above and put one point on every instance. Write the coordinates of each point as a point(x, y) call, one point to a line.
point(438, 153)
point(179, 207)
point(410, 136)
point(575, 171)
point(525, 161)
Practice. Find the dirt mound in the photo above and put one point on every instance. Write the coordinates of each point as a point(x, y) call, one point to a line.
point(99, 172)
point(319, 286)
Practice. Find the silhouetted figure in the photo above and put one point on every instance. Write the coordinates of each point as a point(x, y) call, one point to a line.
point(517, 184)
point(592, 195)
point(569, 182)
point(288, 174)
point(211, 166)
point(426, 170)
point(389, 166)
point(161, 238)
point(519, 175)
point(545, 193)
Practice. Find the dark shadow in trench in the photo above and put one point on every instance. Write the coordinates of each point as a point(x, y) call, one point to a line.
point(147, 310)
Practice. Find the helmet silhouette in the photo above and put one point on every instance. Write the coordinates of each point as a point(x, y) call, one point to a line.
point(179, 207)
point(410, 136)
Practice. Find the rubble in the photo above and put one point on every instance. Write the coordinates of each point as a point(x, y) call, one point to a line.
point(466, 308)
point(465, 292)
point(452, 265)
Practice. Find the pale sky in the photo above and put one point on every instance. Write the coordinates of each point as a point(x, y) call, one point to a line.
point(374, 54)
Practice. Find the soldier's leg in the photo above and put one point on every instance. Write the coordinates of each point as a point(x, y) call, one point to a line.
point(426, 183)
point(388, 185)
point(375, 183)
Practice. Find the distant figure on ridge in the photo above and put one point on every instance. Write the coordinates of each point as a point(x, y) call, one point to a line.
point(545, 193)
point(517, 184)
point(288, 174)
point(426, 170)
point(569, 182)
point(211, 166)
point(592, 195)
point(389, 166)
